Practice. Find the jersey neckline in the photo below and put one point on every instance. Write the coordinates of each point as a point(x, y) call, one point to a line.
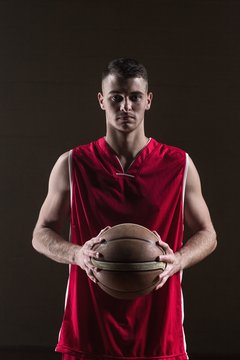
point(134, 167)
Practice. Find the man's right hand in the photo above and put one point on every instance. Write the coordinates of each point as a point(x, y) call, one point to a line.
point(85, 253)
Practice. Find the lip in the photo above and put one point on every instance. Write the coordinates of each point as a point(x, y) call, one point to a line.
point(126, 117)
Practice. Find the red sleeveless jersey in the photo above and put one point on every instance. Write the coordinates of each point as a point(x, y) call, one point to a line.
point(150, 193)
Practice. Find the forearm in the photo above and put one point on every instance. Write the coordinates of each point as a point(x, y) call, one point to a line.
point(197, 247)
point(49, 243)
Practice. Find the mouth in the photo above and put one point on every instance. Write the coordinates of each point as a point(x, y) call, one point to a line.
point(126, 117)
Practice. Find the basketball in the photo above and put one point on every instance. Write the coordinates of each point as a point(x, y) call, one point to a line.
point(128, 264)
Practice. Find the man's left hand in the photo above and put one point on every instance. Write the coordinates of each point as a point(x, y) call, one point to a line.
point(173, 261)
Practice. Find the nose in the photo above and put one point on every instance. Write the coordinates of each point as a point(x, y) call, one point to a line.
point(126, 104)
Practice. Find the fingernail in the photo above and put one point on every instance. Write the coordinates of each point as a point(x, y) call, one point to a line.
point(98, 255)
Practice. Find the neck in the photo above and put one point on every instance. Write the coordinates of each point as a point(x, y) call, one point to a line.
point(127, 146)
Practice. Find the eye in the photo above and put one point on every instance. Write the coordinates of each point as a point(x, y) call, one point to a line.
point(117, 98)
point(136, 97)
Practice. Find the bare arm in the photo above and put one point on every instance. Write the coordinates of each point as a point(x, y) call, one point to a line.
point(47, 235)
point(47, 238)
point(203, 240)
point(197, 217)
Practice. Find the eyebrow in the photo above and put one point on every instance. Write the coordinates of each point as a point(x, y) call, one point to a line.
point(120, 92)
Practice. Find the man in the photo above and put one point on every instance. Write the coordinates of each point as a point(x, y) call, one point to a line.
point(124, 177)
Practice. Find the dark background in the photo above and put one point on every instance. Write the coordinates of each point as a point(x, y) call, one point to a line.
point(51, 57)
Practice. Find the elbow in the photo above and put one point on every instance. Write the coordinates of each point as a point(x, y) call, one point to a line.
point(34, 243)
point(214, 240)
point(35, 240)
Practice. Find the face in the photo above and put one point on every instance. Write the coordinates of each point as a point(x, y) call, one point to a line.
point(125, 102)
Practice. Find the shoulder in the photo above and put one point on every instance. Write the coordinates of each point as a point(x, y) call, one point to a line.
point(63, 158)
point(62, 162)
point(193, 179)
point(170, 152)
point(59, 177)
point(87, 148)
point(85, 153)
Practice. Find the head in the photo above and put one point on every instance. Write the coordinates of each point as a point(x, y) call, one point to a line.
point(125, 96)
point(125, 68)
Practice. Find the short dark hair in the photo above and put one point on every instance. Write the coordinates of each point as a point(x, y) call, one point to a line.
point(125, 68)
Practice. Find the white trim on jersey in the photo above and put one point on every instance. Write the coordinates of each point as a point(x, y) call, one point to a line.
point(185, 180)
point(181, 273)
point(184, 337)
point(69, 236)
point(124, 174)
point(70, 174)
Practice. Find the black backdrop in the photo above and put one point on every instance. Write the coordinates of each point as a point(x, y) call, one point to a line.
point(51, 57)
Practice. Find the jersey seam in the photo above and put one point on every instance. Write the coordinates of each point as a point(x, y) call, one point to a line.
point(112, 357)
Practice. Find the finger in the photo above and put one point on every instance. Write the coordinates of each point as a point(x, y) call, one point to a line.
point(161, 243)
point(161, 283)
point(85, 261)
point(91, 266)
point(167, 258)
point(164, 246)
point(91, 276)
point(157, 234)
point(103, 230)
point(92, 253)
point(93, 279)
point(93, 242)
point(163, 263)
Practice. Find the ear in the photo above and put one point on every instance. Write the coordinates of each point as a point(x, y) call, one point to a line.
point(149, 100)
point(100, 100)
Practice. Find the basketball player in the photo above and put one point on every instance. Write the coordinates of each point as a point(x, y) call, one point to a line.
point(124, 177)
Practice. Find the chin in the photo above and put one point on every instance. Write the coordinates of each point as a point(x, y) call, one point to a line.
point(126, 128)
